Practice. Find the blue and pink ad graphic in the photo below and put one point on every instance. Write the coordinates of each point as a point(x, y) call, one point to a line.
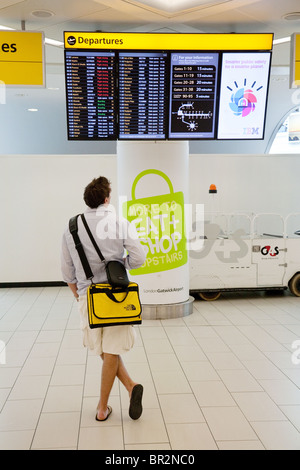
point(243, 95)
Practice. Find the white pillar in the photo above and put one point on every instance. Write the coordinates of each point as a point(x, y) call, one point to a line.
point(153, 178)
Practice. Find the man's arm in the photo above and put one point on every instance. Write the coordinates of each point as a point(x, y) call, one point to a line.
point(73, 288)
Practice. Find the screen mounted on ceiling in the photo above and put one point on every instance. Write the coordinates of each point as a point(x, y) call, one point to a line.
point(243, 95)
point(193, 93)
point(91, 95)
point(156, 93)
point(142, 95)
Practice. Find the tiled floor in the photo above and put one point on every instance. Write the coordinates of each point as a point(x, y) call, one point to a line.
point(221, 378)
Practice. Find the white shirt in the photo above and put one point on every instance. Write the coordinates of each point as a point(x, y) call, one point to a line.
point(113, 236)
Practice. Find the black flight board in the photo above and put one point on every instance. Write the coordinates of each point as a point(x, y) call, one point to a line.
point(90, 91)
point(142, 95)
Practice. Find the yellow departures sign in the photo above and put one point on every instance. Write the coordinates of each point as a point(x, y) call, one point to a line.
point(22, 58)
point(161, 41)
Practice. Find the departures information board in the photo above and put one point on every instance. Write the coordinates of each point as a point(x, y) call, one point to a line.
point(142, 95)
point(193, 92)
point(91, 95)
point(157, 86)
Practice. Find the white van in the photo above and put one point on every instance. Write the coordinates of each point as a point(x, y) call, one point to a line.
point(246, 252)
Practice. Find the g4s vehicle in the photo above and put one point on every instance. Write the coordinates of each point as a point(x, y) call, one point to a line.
point(246, 252)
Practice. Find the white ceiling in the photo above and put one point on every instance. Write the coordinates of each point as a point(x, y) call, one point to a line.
point(152, 15)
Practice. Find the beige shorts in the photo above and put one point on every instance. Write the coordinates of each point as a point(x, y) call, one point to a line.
point(111, 339)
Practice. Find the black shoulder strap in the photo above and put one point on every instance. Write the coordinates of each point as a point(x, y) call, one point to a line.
point(73, 227)
point(92, 238)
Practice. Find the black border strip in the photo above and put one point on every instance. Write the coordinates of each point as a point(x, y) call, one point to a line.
point(32, 284)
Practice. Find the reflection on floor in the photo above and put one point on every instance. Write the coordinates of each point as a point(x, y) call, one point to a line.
point(225, 377)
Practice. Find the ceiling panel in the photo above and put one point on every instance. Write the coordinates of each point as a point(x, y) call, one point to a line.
point(126, 15)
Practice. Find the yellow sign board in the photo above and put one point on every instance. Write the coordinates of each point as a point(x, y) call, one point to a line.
point(161, 41)
point(295, 61)
point(22, 58)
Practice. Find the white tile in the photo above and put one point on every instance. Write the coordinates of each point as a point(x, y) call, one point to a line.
point(44, 350)
point(213, 345)
point(72, 356)
point(152, 332)
point(239, 381)
point(20, 415)
point(258, 406)
point(263, 369)
point(4, 392)
point(63, 399)
point(203, 331)
point(191, 436)
point(8, 376)
point(149, 428)
point(228, 423)
point(155, 446)
point(38, 366)
point(57, 430)
point(199, 371)
point(68, 375)
point(212, 393)
point(170, 381)
point(278, 435)
point(180, 408)
point(180, 336)
point(224, 360)
point(161, 345)
point(16, 440)
point(190, 353)
point(167, 361)
point(240, 445)
point(261, 338)
point(30, 387)
point(292, 412)
point(283, 360)
point(283, 392)
point(49, 336)
point(101, 438)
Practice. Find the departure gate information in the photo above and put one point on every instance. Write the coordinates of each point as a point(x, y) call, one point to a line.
point(142, 95)
point(90, 89)
point(193, 95)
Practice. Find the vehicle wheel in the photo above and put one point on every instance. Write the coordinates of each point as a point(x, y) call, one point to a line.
point(294, 285)
point(209, 295)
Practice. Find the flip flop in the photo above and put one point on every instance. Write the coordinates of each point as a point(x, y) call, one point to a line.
point(108, 414)
point(135, 407)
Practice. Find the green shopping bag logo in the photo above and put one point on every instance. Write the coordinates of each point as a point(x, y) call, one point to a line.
point(159, 221)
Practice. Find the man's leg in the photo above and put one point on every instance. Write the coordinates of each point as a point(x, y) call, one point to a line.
point(109, 372)
point(135, 390)
point(124, 377)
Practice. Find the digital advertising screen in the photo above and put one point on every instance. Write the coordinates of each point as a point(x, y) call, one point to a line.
point(193, 92)
point(91, 95)
point(142, 95)
point(243, 95)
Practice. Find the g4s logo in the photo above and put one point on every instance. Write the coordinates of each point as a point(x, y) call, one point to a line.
point(267, 250)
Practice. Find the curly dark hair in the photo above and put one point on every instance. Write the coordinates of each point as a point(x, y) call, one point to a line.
point(96, 192)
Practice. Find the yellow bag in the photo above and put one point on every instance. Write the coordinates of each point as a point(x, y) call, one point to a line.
point(110, 306)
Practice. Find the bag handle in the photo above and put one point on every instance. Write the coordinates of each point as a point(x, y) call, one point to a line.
point(73, 227)
point(149, 172)
point(111, 296)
